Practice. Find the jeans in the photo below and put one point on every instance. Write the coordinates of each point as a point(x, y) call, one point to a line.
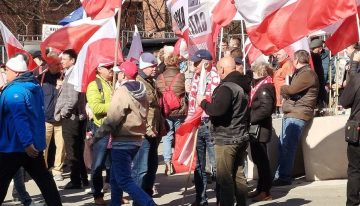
point(19, 187)
point(121, 179)
point(292, 130)
point(100, 155)
point(353, 184)
point(145, 164)
point(168, 139)
point(10, 163)
point(202, 145)
point(74, 134)
point(230, 174)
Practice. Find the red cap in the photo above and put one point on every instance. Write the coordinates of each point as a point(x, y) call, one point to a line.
point(130, 70)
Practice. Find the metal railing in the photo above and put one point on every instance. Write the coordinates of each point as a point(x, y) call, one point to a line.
point(126, 35)
point(23, 38)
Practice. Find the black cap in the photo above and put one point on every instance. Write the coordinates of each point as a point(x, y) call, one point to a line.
point(200, 55)
point(238, 60)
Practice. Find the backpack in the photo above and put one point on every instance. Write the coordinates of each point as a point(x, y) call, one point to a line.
point(169, 99)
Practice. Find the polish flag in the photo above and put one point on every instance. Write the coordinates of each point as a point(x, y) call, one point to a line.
point(136, 48)
point(72, 36)
point(99, 49)
point(100, 9)
point(185, 137)
point(252, 53)
point(13, 46)
point(224, 12)
point(275, 24)
point(345, 35)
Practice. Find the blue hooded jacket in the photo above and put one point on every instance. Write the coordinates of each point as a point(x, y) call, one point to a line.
point(22, 117)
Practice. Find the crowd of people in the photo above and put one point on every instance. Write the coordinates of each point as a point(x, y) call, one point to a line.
point(123, 124)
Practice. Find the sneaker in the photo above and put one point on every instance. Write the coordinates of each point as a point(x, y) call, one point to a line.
point(106, 188)
point(58, 177)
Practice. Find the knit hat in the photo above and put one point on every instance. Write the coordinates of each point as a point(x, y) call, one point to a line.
point(129, 69)
point(17, 64)
point(315, 43)
point(147, 60)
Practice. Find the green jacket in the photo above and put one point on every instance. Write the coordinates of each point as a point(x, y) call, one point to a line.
point(99, 102)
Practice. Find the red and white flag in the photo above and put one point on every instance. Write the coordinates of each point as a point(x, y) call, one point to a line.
point(72, 36)
point(100, 48)
point(136, 48)
point(345, 35)
point(100, 9)
point(275, 24)
point(252, 53)
point(184, 143)
point(13, 46)
point(224, 12)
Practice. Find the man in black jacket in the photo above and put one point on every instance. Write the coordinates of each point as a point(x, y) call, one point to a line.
point(350, 98)
point(229, 116)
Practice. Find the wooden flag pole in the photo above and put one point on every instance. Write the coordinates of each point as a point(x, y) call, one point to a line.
point(191, 163)
point(116, 45)
point(358, 25)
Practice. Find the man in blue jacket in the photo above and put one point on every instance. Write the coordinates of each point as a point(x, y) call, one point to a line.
point(22, 131)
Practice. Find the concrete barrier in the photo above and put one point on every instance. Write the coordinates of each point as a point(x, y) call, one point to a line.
point(321, 154)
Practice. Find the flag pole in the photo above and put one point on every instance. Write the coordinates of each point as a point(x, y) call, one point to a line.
point(330, 80)
point(116, 45)
point(191, 163)
point(358, 25)
point(221, 40)
point(243, 42)
point(246, 53)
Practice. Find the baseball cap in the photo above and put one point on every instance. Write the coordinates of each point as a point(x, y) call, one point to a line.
point(106, 65)
point(316, 43)
point(200, 55)
point(147, 60)
point(129, 69)
point(238, 60)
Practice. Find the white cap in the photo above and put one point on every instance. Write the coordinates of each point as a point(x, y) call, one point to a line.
point(147, 60)
point(17, 64)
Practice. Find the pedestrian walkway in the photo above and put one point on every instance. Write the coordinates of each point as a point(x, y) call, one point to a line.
point(171, 188)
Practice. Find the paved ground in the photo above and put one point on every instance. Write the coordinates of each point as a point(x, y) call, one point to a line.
point(171, 188)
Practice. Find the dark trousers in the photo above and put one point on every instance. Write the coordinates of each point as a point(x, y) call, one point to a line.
point(353, 184)
point(230, 175)
point(145, 164)
point(100, 155)
point(10, 163)
point(74, 134)
point(261, 160)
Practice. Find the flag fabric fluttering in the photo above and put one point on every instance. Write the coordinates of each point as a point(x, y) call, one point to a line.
point(98, 49)
point(13, 46)
point(100, 9)
point(73, 16)
point(185, 137)
point(224, 12)
point(136, 48)
point(72, 36)
point(345, 35)
point(275, 24)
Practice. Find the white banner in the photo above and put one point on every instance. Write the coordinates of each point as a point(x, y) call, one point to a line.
point(48, 29)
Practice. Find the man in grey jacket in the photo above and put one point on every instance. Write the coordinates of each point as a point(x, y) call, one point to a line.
point(70, 110)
